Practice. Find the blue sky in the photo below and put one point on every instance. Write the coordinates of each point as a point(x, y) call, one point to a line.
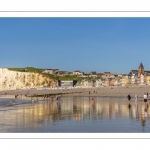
point(116, 45)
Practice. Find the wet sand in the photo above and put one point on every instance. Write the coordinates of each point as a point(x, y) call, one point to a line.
point(74, 115)
point(79, 114)
point(101, 91)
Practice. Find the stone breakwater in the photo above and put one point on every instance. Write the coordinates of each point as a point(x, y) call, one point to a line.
point(12, 80)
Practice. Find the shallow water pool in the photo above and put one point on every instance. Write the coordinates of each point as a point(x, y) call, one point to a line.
point(74, 115)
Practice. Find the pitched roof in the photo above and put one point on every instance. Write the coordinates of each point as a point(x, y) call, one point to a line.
point(125, 74)
point(148, 74)
point(77, 71)
point(111, 77)
point(93, 72)
point(147, 71)
point(133, 71)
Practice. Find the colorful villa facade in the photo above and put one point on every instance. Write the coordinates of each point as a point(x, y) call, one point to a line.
point(137, 77)
point(140, 76)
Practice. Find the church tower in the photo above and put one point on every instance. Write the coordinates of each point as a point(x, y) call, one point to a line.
point(141, 68)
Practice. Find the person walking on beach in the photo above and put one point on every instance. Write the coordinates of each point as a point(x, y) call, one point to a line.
point(37, 97)
point(129, 97)
point(46, 96)
point(57, 97)
point(136, 97)
point(147, 96)
point(145, 99)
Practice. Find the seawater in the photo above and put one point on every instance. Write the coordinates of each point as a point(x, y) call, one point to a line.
point(74, 115)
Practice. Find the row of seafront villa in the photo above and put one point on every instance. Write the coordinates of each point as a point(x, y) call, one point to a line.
point(138, 77)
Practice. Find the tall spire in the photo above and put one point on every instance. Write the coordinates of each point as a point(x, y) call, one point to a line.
point(141, 68)
point(141, 65)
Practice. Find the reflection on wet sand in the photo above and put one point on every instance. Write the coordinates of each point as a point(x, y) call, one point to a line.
point(35, 115)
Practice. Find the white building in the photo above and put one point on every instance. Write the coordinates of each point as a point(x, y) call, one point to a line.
point(77, 72)
point(98, 83)
point(93, 76)
point(142, 79)
point(51, 71)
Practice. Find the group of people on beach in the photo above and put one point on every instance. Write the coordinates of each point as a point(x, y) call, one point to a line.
point(145, 96)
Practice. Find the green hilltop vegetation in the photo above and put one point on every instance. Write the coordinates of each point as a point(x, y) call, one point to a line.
point(52, 76)
point(27, 69)
point(62, 78)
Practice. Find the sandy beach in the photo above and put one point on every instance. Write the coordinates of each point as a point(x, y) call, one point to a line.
point(101, 91)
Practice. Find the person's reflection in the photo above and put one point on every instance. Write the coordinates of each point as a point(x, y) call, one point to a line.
point(61, 101)
point(129, 106)
point(58, 103)
point(143, 122)
point(130, 112)
point(93, 103)
point(52, 98)
point(93, 111)
point(136, 110)
point(144, 117)
point(145, 112)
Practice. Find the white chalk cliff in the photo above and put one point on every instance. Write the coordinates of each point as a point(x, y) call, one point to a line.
point(11, 80)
